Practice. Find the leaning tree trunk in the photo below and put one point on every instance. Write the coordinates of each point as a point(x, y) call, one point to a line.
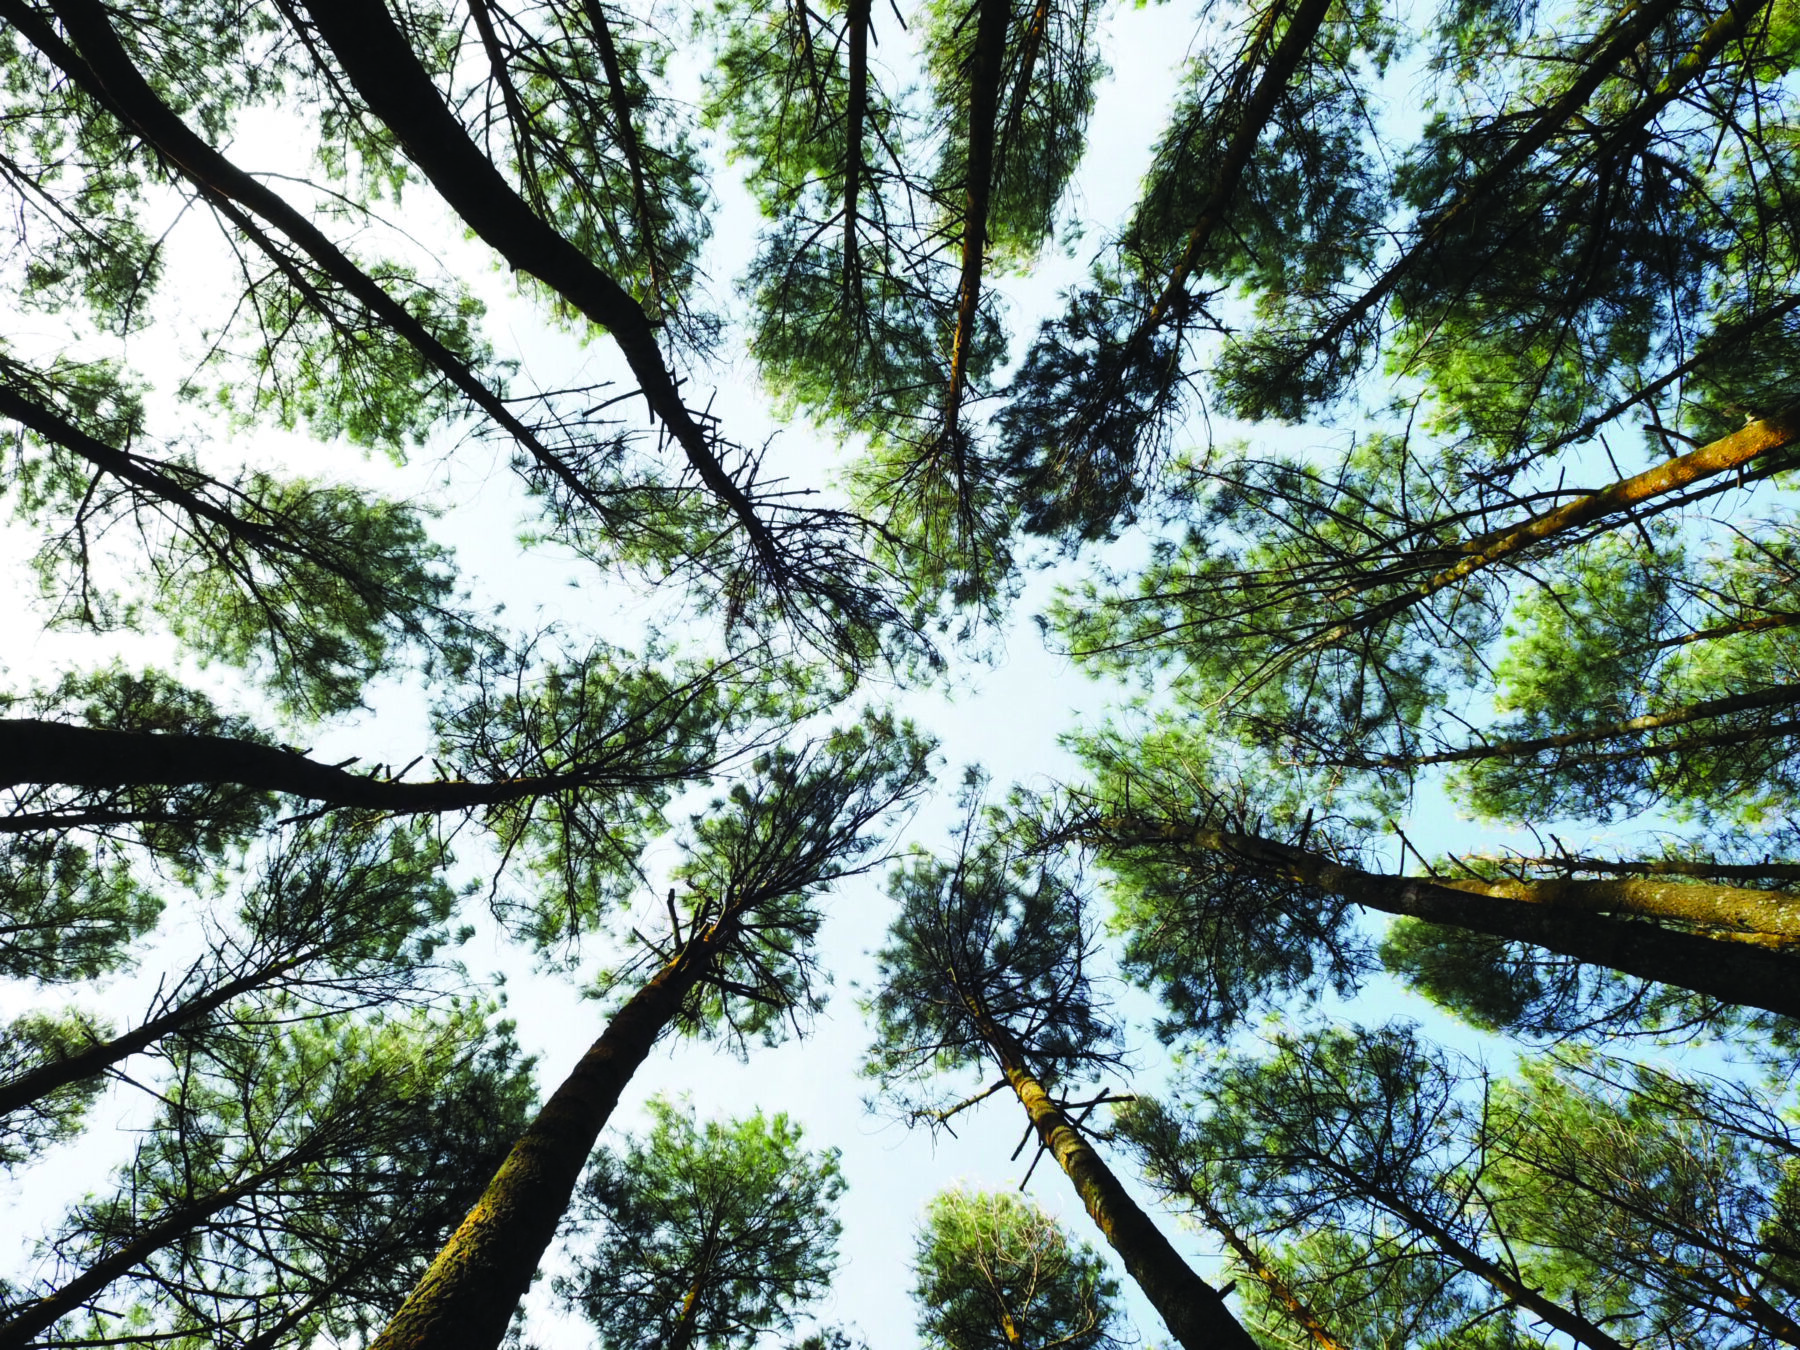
point(1280, 1291)
point(1757, 969)
point(1572, 1324)
point(40, 1082)
point(23, 1327)
point(1193, 1310)
point(467, 1297)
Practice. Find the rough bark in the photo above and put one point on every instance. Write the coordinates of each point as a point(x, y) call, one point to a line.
point(1741, 909)
point(1762, 973)
point(467, 1297)
point(1193, 1310)
point(34, 751)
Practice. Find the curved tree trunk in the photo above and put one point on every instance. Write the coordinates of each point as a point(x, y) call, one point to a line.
point(386, 73)
point(104, 71)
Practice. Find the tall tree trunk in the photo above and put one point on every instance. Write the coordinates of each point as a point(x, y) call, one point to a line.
point(1733, 909)
point(1271, 1279)
point(105, 71)
point(467, 1297)
point(1193, 1310)
point(857, 18)
point(1735, 972)
point(386, 73)
point(988, 60)
point(1302, 28)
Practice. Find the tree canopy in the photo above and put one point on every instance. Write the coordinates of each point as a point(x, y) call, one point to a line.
point(511, 503)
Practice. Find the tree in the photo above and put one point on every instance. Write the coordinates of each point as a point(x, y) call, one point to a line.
point(1353, 1131)
point(736, 965)
point(289, 1181)
point(987, 965)
point(343, 915)
point(714, 1234)
point(1540, 266)
point(1221, 918)
point(994, 1270)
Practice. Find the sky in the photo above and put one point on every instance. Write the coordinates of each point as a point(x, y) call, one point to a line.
point(1006, 714)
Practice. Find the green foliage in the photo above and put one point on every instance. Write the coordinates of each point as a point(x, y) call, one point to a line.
point(1653, 1194)
point(613, 740)
point(31, 1039)
point(760, 858)
point(716, 1234)
point(301, 1177)
point(986, 937)
point(68, 913)
point(994, 1272)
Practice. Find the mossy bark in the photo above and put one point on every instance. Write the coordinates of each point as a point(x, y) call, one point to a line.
point(468, 1296)
point(1193, 1310)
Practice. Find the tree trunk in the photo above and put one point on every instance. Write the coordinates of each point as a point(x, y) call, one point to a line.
point(33, 751)
point(1571, 1324)
point(857, 17)
point(40, 1082)
point(1279, 1289)
point(24, 1325)
point(1302, 28)
point(987, 63)
point(1735, 909)
point(1733, 451)
point(467, 1297)
point(1193, 1310)
point(1776, 696)
point(1735, 972)
point(386, 73)
point(104, 71)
